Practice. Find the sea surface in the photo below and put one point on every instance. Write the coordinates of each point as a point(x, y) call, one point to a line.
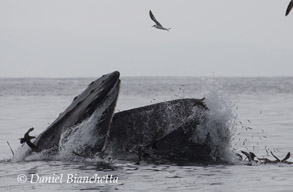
point(260, 112)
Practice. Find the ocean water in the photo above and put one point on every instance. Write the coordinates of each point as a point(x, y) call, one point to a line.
point(259, 112)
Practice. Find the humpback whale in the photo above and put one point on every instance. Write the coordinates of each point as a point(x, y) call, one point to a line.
point(162, 131)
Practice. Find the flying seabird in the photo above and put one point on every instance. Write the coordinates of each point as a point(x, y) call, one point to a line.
point(158, 25)
point(289, 7)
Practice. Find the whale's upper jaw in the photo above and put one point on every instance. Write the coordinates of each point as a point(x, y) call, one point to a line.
point(83, 106)
point(94, 95)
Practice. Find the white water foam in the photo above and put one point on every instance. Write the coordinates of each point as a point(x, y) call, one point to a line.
point(79, 137)
point(220, 124)
point(86, 134)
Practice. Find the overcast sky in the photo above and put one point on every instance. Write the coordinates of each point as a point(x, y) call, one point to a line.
point(87, 38)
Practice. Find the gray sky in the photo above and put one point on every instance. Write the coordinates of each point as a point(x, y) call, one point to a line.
point(80, 38)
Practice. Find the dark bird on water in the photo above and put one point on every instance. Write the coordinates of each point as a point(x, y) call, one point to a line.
point(250, 156)
point(157, 25)
point(27, 139)
point(289, 7)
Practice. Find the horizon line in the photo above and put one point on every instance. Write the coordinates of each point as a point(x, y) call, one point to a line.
point(148, 76)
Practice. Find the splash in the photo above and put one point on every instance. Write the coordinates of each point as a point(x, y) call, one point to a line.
point(84, 137)
point(220, 124)
point(79, 137)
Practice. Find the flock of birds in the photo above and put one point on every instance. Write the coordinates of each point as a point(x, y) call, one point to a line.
point(159, 26)
point(252, 158)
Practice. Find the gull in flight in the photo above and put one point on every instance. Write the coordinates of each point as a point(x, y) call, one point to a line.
point(157, 25)
point(289, 7)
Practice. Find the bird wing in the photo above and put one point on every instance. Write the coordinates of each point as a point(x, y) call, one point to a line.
point(252, 155)
point(275, 157)
point(286, 158)
point(289, 7)
point(26, 135)
point(247, 155)
point(154, 19)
